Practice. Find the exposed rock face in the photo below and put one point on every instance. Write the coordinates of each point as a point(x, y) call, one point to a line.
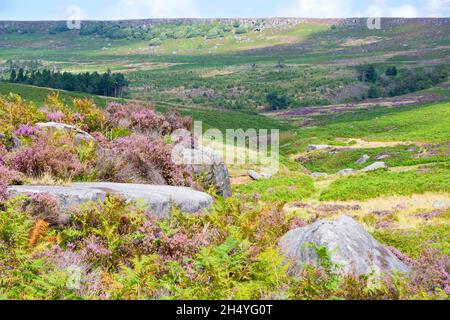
point(314, 147)
point(258, 176)
point(363, 159)
point(159, 198)
point(210, 166)
point(79, 134)
point(350, 245)
point(375, 166)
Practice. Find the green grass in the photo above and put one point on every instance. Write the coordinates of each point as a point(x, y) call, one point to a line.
point(428, 123)
point(281, 188)
point(38, 95)
point(398, 156)
point(382, 183)
point(412, 242)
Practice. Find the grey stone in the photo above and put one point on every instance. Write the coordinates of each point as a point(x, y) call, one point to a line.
point(314, 147)
point(318, 174)
point(79, 134)
point(375, 166)
point(258, 175)
point(159, 198)
point(363, 159)
point(441, 205)
point(346, 172)
point(351, 247)
point(210, 166)
point(382, 157)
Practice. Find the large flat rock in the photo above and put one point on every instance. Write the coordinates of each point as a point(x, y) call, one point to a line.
point(159, 198)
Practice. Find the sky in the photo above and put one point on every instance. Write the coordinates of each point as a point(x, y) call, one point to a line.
point(138, 9)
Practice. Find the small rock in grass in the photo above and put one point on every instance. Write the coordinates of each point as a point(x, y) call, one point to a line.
point(314, 147)
point(363, 159)
point(375, 166)
point(258, 176)
point(346, 172)
point(382, 157)
point(318, 174)
point(441, 205)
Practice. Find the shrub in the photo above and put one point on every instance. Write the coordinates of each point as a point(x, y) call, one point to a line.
point(44, 206)
point(53, 154)
point(87, 113)
point(14, 112)
point(145, 120)
point(137, 159)
point(7, 176)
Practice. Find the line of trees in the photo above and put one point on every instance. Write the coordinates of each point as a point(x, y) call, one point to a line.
point(106, 84)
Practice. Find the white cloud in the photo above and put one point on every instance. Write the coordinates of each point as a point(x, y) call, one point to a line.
point(437, 8)
point(345, 9)
point(404, 11)
point(141, 9)
point(317, 9)
point(381, 9)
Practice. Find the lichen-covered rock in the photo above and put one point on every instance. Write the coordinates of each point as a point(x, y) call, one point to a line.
point(351, 247)
point(79, 134)
point(210, 166)
point(159, 198)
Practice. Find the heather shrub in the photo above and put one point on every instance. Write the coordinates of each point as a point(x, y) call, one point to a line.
point(25, 131)
point(431, 272)
point(14, 111)
point(145, 120)
point(137, 159)
point(44, 206)
point(92, 118)
point(53, 154)
point(7, 177)
point(57, 110)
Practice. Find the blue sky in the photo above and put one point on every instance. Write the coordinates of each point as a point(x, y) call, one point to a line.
point(129, 9)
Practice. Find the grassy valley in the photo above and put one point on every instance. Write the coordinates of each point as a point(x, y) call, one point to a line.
point(344, 98)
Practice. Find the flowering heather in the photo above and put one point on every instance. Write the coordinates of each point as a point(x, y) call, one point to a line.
point(174, 247)
point(45, 206)
point(66, 260)
point(48, 154)
point(7, 176)
point(25, 131)
point(402, 257)
point(145, 120)
point(57, 116)
point(432, 271)
point(94, 251)
point(137, 159)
